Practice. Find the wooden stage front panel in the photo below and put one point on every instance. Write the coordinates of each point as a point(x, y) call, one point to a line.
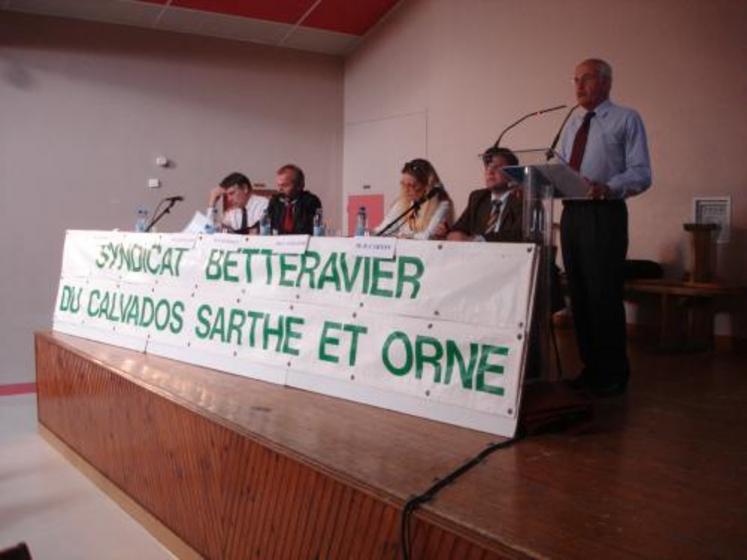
point(244, 469)
point(178, 439)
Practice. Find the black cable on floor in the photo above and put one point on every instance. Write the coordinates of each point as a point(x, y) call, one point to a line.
point(416, 501)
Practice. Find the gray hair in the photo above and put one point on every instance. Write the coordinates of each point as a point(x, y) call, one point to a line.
point(602, 66)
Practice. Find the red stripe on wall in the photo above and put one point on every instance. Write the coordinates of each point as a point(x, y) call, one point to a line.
point(17, 389)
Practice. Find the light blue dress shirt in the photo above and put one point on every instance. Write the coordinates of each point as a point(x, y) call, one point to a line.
point(616, 150)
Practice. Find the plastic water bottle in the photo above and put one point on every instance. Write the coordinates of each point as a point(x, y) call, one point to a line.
point(210, 225)
point(318, 224)
point(265, 227)
point(141, 224)
point(360, 222)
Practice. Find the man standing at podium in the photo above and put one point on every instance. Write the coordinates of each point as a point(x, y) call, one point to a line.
point(607, 146)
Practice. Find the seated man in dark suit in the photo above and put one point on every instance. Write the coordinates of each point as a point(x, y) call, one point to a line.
point(495, 213)
point(292, 210)
point(492, 213)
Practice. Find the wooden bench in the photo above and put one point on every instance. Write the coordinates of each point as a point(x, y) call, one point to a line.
point(686, 309)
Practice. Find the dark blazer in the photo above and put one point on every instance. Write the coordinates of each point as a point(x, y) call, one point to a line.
point(304, 209)
point(475, 217)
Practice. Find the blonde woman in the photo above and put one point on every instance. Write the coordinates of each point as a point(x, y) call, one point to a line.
point(435, 213)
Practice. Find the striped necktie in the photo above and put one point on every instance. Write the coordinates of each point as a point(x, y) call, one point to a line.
point(495, 212)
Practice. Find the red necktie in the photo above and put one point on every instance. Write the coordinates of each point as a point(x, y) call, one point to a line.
point(288, 218)
point(579, 143)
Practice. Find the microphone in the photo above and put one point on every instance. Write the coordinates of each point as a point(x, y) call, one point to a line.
point(551, 150)
point(525, 117)
point(437, 189)
point(171, 200)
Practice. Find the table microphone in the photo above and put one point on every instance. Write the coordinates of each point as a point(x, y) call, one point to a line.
point(437, 189)
point(172, 200)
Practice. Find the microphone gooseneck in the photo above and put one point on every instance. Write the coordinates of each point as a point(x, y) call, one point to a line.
point(172, 200)
point(551, 150)
point(525, 117)
point(437, 189)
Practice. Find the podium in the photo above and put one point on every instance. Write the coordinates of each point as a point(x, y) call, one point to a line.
point(547, 401)
point(541, 183)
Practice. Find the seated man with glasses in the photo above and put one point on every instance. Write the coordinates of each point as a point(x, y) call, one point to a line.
point(493, 213)
point(241, 211)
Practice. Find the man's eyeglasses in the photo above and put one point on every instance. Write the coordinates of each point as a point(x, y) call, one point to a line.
point(579, 80)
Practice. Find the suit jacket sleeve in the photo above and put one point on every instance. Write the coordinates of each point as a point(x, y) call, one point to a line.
point(466, 222)
point(305, 216)
point(275, 210)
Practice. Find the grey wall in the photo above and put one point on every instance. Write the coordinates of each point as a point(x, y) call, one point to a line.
point(84, 110)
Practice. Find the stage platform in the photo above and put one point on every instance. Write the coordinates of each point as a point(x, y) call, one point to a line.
point(244, 469)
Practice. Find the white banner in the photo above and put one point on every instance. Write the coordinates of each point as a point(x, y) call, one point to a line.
point(435, 329)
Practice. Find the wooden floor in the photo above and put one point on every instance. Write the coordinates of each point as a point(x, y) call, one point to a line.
point(661, 473)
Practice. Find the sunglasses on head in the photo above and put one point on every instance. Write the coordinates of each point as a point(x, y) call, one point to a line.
point(416, 166)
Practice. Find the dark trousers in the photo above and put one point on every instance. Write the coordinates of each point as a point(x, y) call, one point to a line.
point(594, 235)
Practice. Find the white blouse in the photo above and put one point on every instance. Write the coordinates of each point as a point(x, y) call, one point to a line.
point(403, 230)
